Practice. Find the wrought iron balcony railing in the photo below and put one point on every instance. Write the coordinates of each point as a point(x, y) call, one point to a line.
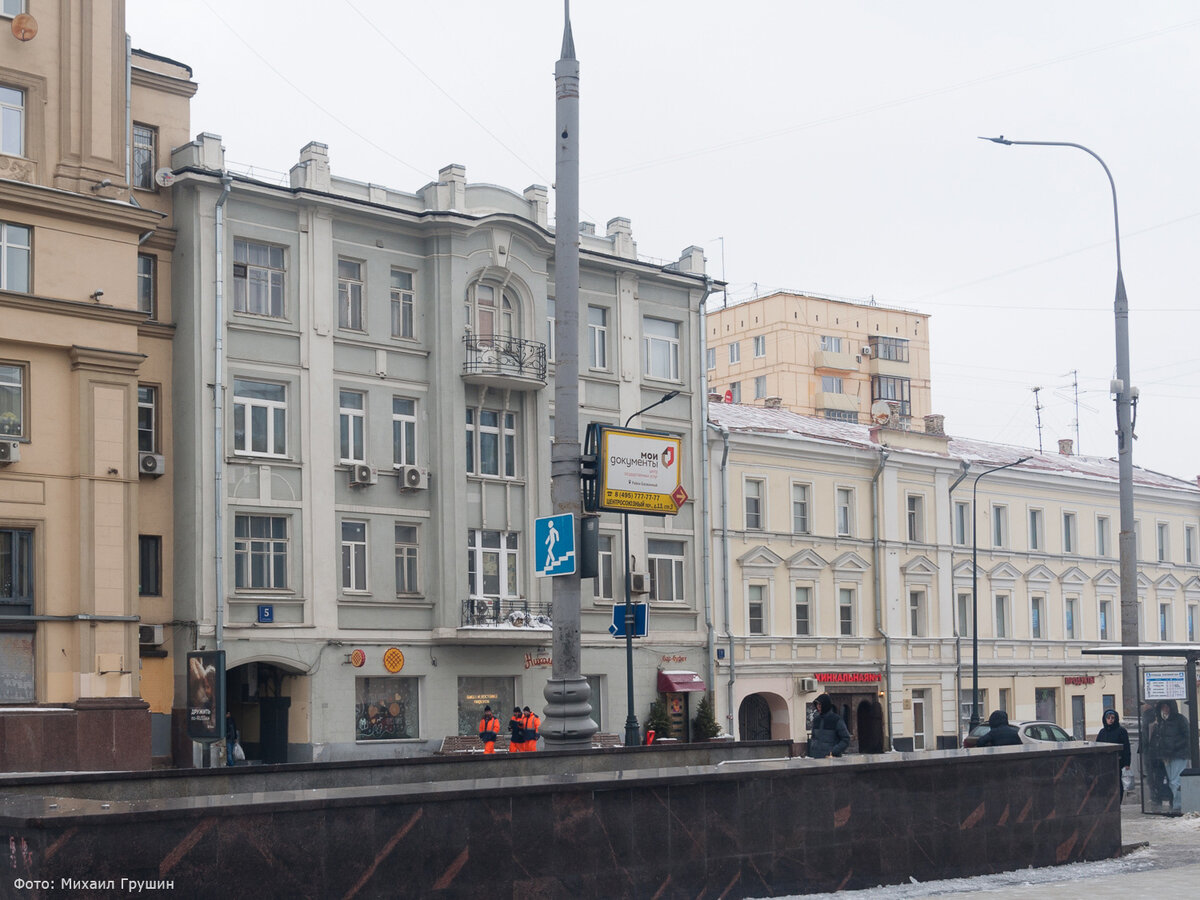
point(515, 611)
point(505, 357)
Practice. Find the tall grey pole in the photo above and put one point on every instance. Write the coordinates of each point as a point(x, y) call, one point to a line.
point(1127, 543)
point(568, 722)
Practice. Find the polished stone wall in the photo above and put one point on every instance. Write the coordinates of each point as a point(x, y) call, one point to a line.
point(87, 735)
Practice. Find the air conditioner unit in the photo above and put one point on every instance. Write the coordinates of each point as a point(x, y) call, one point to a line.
point(865, 351)
point(150, 635)
point(639, 583)
point(152, 464)
point(806, 685)
point(413, 478)
point(10, 452)
point(361, 474)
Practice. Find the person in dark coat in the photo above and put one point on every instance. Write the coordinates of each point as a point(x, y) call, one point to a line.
point(516, 731)
point(231, 738)
point(1114, 733)
point(830, 737)
point(1169, 742)
point(1000, 733)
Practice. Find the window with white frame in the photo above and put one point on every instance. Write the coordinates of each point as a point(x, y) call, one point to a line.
point(916, 517)
point(258, 279)
point(12, 399)
point(1104, 620)
point(735, 391)
point(735, 352)
point(760, 387)
point(966, 610)
point(598, 337)
point(1070, 612)
point(1102, 532)
point(754, 504)
point(831, 384)
point(1164, 621)
point(350, 295)
point(710, 358)
point(354, 557)
point(404, 431)
point(259, 418)
point(660, 348)
point(1037, 530)
point(962, 523)
point(756, 609)
point(493, 563)
point(147, 418)
point(147, 295)
point(145, 156)
point(1189, 544)
point(352, 422)
point(847, 620)
point(407, 559)
point(491, 312)
point(1192, 611)
point(260, 552)
point(1069, 538)
point(1037, 608)
point(917, 626)
point(760, 346)
point(800, 509)
point(665, 559)
point(551, 327)
point(831, 344)
point(492, 442)
point(1003, 627)
point(999, 525)
point(845, 512)
point(12, 121)
point(403, 303)
point(15, 256)
point(1163, 540)
point(602, 584)
point(802, 602)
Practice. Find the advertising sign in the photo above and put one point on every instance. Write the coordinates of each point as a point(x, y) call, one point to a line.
point(206, 695)
point(639, 472)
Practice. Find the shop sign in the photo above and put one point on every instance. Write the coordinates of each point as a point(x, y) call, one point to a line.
point(674, 659)
point(849, 677)
point(1079, 679)
point(537, 662)
point(206, 695)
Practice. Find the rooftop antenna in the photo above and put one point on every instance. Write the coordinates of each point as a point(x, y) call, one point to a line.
point(1075, 387)
point(1037, 408)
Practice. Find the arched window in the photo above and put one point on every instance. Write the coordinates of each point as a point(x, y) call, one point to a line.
point(491, 312)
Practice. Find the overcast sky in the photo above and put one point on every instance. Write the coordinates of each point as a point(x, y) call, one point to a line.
point(823, 147)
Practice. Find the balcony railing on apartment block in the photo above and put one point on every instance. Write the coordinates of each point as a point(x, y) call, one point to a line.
point(516, 612)
point(504, 356)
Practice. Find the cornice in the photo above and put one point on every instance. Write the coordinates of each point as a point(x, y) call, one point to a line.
point(66, 204)
point(163, 83)
point(114, 362)
point(73, 308)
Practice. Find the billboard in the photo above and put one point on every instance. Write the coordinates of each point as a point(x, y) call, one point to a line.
point(206, 695)
point(637, 471)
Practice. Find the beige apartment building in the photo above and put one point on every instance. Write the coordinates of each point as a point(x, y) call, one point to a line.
point(86, 239)
point(820, 356)
point(843, 564)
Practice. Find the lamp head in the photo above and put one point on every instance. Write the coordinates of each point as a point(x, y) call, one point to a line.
point(670, 395)
point(996, 140)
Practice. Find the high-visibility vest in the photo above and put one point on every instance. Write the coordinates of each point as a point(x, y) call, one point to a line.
point(489, 728)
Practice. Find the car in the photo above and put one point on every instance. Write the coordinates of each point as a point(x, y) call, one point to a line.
point(1037, 732)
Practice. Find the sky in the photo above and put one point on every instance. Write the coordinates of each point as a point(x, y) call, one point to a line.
point(829, 148)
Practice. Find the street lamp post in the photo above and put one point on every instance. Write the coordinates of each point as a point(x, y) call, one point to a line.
point(1126, 399)
point(975, 589)
point(632, 729)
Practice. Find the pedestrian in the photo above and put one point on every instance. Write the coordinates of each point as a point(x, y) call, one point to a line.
point(1169, 743)
point(830, 736)
point(531, 724)
point(489, 730)
point(1000, 733)
point(231, 738)
point(516, 731)
point(1114, 733)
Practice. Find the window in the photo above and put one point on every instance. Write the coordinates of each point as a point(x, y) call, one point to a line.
point(603, 582)
point(12, 120)
point(1163, 540)
point(800, 510)
point(755, 610)
point(1045, 703)
point(386, 709)
point(487, 318)
point(352, 420)
point(1002, 615)
point(665, 559)
point(1036, 608)
point(966, 707)
point(1068, 532)
point(735, 391)
point(145, 156)
point(149, 565)
point(259, 418)
point(404, 431)
point(831, 344)
point(846, 618)
point(350, 295)
point(735, 352)
point(916, 517)
point(260, 552)
point(407, 581)
point(257, 279)
point(845, 512)
point(16, 571)
point(916, 613)
point(760, 346)
point(12, 400)
point(962, 523)
point(895, 349)
point(999, 525)
point(492, 563)
point(597, 337)
point(1036, 529)
point(803, 603)
point(1102, 530)
point(551, 325)
point(1137, 538)
point(15, 250)
point(831, 384)
point(146, 294)
point(1105, 617)
point(402, 304)
point(710, 358)
point(1070, 605)
point(1164, 621)
point(760, 387)
point(147, 419)
point(491, 442)
point(887, 387)
point(1191, 621)
point(354, 556)
point(754, 504)
point(1189, 544)
point(660, 347)
point(841, 415)
point(1004, 700)
point(965, 610)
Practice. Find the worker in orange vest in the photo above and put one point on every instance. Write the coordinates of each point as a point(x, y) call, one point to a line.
point(489, 729)
point(531, 724)
point(516, 731)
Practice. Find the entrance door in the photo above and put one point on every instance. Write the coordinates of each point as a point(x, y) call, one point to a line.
point(1078, 725)
point(1046, 704)
point(754, 719)
point(918, 711)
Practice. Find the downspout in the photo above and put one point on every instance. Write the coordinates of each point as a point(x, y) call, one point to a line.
point(128, 110)
point(966, 466)
point(219, 410)
point(887, 641)
point(705, 511)
point(724, 432)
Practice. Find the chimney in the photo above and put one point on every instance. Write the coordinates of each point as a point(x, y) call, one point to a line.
point(716, 397)
point(1066, 446)
point(935, 424)
point(773, 402)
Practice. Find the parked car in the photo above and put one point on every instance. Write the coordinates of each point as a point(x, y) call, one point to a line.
point(1030, 732)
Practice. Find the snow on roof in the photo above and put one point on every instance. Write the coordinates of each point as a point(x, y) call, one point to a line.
point(746, 419)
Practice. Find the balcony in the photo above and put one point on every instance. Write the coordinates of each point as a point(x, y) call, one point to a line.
point(510, 617)
point(835, 360)
point(502, 361)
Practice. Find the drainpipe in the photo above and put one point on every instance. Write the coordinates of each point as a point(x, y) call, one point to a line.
point(219, 409)
point(724, 432)
point(705, 511)
point(887, 641)
point(128, 111)
point(966, 466)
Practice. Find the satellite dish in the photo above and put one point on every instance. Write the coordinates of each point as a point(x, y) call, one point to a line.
point(24, 27)
point(880, 412)
point(164, 177)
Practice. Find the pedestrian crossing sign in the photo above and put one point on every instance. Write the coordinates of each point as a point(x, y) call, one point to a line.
point(554, 545)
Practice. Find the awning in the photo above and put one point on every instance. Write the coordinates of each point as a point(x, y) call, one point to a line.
point(679, 682)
